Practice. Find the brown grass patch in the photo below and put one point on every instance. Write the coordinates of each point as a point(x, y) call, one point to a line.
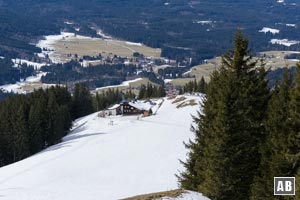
point(94, 46)
point(179, 100)
point(191, 102)
point(153, 196)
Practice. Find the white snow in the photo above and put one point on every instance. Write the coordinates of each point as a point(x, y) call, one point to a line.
point(68, 23)
point(203, 22)
point(291, 25)
point(18, 87)
point(284, 42)
point(271, 30)
point(168, 80)
point(36, 65)
point(86, 63)
point(124, 83)
point(98, 160)
point(47, 43)
point(114, 107)
point(134, 44)
point(101, 33)
point(185, 73)
point(37, 78)
point(141, 105)
point(189, 195)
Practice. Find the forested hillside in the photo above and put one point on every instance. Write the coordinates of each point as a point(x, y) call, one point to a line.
point(198, 29)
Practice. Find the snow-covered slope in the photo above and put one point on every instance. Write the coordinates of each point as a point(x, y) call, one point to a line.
point(98, 160)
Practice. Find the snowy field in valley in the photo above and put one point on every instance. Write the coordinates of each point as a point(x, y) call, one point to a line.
point(36, 65)
point(284, 42)
point(98, 160)
point(26, 86)
point(59, 47)
point(123, 84)
point(270, 30)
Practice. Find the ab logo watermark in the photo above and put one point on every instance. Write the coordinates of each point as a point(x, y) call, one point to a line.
point(284, 185)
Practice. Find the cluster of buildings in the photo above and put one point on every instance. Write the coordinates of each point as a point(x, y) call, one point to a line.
point(143, 63)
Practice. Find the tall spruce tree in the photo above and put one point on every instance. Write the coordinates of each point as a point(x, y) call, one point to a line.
point(274, 147)
point(224, 158)
point(294, 112)
point(293, 138)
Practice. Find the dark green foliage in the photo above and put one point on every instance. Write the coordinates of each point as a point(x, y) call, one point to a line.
point(280, 150)
point(274, 145)
point(173, 28)
point(225, 156)
point(151, 91)
point(82, 101)
point(31, 123)
point(152, 77)
point(10, 74)
point(108, 98)
point(4, 94)
point(194, 86)
point(96, 76)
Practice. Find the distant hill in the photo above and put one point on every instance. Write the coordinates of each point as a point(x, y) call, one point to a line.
point(198, 29)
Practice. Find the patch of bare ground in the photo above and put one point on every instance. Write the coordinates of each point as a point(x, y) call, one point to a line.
point(158, 195)
point(191, 102)
point(179, 100)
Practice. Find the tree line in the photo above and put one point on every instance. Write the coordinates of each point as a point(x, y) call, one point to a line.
point(10, 74)
point(151, 91)
point(31, 123)
point(246, 133)
point(96, 76)
point(109, 97)
point(195, 86)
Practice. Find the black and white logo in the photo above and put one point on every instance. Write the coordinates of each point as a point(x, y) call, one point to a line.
point(284, 185)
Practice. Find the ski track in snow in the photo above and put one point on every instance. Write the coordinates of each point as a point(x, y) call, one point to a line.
point(100, 161)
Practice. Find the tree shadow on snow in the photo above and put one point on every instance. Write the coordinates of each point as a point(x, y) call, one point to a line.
point(75, 136)
point(68, 140)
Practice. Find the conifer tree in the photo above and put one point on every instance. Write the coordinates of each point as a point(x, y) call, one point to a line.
point(82, 101)
point(29, 123)
point(201, 86)
point(37, 126)
point(274, 146)
point(294, 135)
point(225, 155)
point(52, 109)
point(293, 138)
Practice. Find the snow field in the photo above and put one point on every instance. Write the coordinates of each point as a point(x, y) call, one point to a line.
point(101, 161)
